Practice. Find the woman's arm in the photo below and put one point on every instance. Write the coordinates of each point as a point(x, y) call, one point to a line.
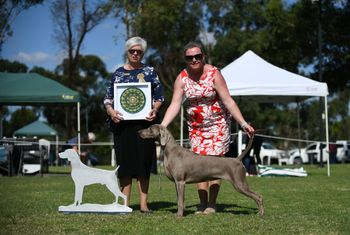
point(109, 101)
point(176, 102)
point(153, 113)
point(157, 96)
point(230, 104)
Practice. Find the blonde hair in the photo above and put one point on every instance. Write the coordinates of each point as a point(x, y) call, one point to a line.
point(136, 41)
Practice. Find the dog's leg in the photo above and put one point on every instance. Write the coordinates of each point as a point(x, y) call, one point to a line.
point(241, 185)
point(180, 189)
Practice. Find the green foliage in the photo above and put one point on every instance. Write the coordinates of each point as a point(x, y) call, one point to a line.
point(73, 21)
point(286, 36)
point(12, 67)
point(19, 118)
point(90, 83)
point(317, 204)
point(334, 34)
point(282, 32)
point(44, 72)
point(167, 26)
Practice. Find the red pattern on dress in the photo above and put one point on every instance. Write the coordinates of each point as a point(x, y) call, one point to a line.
point(208, 119)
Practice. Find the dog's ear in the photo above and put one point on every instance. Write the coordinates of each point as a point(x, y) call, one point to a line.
point(163, 136)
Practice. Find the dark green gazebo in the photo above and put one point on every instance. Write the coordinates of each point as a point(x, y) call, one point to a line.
point(35, 89)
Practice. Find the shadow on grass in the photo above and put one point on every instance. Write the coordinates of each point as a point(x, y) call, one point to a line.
point(158, 206)
point(191, 209)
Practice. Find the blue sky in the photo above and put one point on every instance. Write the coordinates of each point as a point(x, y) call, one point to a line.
point(33, 43)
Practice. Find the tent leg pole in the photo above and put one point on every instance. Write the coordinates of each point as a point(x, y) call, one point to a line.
point(78, 118)
point(182, 126)
point(56, 161)
point(327, 133)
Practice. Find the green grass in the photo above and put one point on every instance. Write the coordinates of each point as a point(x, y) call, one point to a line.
point(316, 204)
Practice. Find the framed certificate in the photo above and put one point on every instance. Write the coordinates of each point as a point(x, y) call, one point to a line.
point(133, 100)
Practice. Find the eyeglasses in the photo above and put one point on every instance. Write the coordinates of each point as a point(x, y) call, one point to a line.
point(132, 52)
point(197, 57)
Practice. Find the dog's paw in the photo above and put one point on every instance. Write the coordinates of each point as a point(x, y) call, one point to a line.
point(179, 214)
point(261, 213)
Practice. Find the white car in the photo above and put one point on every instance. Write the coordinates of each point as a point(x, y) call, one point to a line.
point(311, 154)
point(269, 153)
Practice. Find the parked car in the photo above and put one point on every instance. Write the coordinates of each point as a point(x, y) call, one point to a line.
point(311, 154)
point(269, 153)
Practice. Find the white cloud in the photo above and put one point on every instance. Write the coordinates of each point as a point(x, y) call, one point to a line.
point(41, 59)
point(33, 58)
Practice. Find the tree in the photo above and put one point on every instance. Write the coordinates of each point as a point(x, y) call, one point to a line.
point(167, 26)
point(12, 67)
point(9, 10)
point(89, 83)
point(74, 19)
point(19, 118)
point(264, 27)
point(335, 40)
point(286, 35)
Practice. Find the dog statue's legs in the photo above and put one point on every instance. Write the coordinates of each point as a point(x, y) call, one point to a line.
point(180, 189)
point(117, 194)
point(125, 199)
point(78, 194)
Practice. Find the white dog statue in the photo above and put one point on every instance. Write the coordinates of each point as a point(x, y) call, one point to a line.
point(82, 176)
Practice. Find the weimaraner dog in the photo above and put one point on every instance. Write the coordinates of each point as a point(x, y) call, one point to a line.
point(183, 166)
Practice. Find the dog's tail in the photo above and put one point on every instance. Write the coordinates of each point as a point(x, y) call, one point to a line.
point(246, 150)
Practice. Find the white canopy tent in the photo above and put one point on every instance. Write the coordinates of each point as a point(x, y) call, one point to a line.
point(251, 77)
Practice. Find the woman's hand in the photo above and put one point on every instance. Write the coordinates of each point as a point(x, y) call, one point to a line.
point(152, 115)
point(115, 115)
point(249, 130)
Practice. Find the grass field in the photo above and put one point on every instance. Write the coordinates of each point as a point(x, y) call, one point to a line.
point(316, 204)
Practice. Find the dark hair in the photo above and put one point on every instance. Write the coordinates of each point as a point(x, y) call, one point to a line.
point(193, 44)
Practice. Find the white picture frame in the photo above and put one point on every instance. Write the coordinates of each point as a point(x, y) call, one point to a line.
point(133, 100)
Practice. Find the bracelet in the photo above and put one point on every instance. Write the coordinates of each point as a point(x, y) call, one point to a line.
point(244, 124)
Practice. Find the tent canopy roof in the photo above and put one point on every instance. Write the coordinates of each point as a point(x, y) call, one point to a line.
point(36, 128)
point(250, 75)
point(33, 89)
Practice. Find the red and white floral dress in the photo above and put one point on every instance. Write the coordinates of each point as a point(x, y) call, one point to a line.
point(208, 119)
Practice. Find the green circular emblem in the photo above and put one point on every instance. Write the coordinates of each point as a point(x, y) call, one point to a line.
point(132, 100)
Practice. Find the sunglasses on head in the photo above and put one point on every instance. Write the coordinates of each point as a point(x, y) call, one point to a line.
point(189, 58)
point(138, 52)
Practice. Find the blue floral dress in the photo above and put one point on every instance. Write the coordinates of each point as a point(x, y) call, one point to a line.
point(135, 156)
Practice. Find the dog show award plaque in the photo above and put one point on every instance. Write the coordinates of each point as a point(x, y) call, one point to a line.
point(133, 100)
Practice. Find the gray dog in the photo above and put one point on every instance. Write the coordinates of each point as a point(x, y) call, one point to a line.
point(183, 166)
